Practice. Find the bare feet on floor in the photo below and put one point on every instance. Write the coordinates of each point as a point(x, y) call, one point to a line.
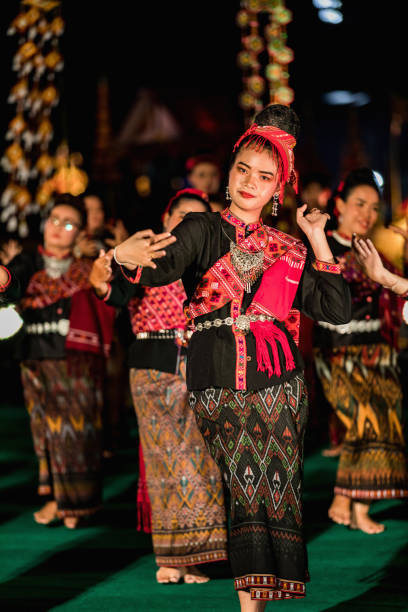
point(190, 575)
point(167, 575)
point(360, 519)
point(332, 451)
point(46, 514)
point(71, 522)
point(194, 576)
point(340, 510)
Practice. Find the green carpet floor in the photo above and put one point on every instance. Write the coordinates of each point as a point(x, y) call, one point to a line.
point(108, 566)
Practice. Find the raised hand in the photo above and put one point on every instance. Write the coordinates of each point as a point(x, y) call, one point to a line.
point(142, 248)
point(3, 277)
point(9, 250)
point(311, 223)
point(85, 247)
point(120, 234)
point(369, 259)
point(404, 233)
point(101, 272)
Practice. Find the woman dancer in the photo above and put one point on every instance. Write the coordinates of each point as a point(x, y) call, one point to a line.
point(68, 333)
point(245, 283)
point(357, 366)
point(183, 482)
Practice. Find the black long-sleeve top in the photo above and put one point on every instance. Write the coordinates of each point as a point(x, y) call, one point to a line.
point(152, 354)
point(202, 239)
point(366, 305)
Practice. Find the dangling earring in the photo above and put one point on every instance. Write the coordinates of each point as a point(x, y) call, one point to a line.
point(227, 193)
point(275, 205)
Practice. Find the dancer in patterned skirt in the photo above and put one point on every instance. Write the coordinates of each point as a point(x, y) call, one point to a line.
point(245, 284)
point(183, 482)
point(68, 334)
point(357, 364)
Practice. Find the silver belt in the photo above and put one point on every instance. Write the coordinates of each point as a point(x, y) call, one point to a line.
point(242, 322)
point(60, 327)
point(163, 334)
point(353, 327)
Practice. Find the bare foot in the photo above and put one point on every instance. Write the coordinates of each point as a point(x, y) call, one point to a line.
point(332, 451)
point(46, 514)
point(250, 605)
point(166, 575)
point(340, 510)
point(71, 522)
point(361, 520)
point(194, 576)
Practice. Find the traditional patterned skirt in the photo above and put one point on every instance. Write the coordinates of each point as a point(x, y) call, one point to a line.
point(256, 438)
point(64, 401)
point(361, 383)
point(184, 483)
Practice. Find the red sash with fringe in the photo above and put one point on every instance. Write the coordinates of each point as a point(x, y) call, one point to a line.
point(284, 260)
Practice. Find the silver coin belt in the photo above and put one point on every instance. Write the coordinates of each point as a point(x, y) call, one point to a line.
point(164, 334)
point(353, 327)
point(242, 322)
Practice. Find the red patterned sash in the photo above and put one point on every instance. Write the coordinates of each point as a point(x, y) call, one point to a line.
point(284, 260)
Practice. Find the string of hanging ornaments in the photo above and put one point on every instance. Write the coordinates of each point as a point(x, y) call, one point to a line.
point(265, 56)
point(27, 160)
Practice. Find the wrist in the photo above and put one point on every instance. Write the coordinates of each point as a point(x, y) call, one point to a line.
point(101, 289)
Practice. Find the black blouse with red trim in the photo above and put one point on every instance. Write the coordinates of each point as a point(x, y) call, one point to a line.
point(202, 239)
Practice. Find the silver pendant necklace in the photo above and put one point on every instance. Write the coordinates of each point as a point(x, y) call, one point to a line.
point(248, 266)
point(56, 267)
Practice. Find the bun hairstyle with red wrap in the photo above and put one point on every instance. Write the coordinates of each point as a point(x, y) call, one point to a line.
point(274, 129)
point(187, 194)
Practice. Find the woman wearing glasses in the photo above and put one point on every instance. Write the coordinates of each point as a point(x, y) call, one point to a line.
point(68, 332)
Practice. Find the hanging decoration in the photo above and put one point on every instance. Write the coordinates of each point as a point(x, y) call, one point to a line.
point(34, 173)
point(264, 57)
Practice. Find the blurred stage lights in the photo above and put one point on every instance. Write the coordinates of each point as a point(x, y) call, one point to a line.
point(342, 97)
point(327, 4)
point(379, 179)
point(10, 322)
point(330, 16)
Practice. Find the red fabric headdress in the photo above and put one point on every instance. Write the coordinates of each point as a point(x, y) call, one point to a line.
point(184, 193)
point(284, 144)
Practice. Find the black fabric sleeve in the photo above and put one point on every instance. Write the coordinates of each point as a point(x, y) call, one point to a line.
point(21, 269)
point(180, 255)
point(323, 296)
point(122, 291)
point(12, 292)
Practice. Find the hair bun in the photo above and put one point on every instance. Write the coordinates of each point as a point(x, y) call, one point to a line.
point(281, 117)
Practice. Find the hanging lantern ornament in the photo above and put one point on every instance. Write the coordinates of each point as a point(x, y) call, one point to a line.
point(264, 82)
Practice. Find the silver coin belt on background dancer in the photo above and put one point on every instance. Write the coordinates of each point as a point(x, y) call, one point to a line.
point(165, 334)
point(242, 322)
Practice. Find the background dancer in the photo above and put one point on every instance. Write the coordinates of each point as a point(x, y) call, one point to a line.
point(183, 482)
point(68, 334)
point(357, 364)
point(244, 371)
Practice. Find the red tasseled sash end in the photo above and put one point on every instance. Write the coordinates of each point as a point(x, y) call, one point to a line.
point(144, 509)
point(267, 333)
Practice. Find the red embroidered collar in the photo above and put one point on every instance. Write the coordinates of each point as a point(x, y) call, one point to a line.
point(42, 251)
point(233, 220)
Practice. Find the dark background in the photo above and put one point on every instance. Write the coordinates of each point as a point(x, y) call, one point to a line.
point(185, 52)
